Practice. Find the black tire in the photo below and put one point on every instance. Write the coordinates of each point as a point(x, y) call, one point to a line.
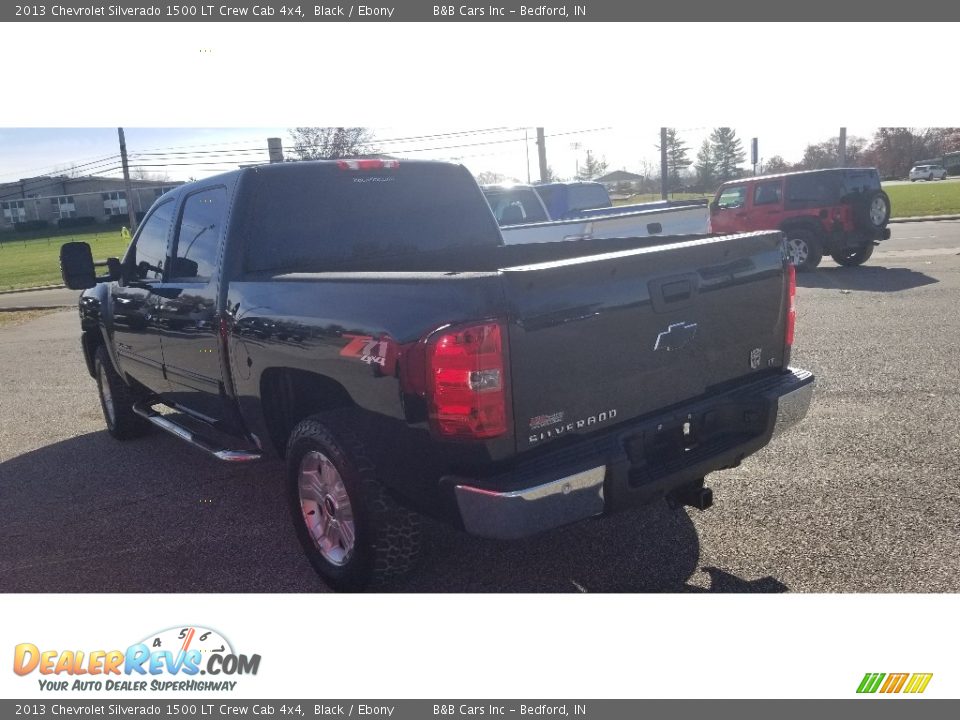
point(864, 215)
point(852, 258)
point(117, 403)
point(804, 249)
point(386, 536)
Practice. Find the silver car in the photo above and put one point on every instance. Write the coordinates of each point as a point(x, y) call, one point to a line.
point(928, 172)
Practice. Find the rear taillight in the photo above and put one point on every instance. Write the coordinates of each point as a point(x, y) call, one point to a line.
point(371, 164)
point(792, 303)
point(466, 393)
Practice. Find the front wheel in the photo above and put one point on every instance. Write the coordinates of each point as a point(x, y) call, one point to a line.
point(354, 534)
point(116, 399)
point(803, 249)
point(852, 258)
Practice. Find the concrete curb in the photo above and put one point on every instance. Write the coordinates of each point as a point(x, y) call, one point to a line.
point(22, 308)
point(33, 289)
point(925, 218)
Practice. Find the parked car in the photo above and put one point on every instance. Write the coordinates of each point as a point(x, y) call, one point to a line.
point(841, 212)
point(363, 320)
point(525, 218)
point(928, 172)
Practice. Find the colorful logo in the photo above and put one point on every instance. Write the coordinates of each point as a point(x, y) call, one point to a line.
point(175, 652)
point(912, 683)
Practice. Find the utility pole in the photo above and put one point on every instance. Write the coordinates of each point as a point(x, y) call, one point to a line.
point(126, 181)
point(275, 150)
point(842, 150)
point(576, 150)
point(542, 153)
point(526, 145)
point(664, 179)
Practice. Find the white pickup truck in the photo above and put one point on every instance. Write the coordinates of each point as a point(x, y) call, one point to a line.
point(523, 218)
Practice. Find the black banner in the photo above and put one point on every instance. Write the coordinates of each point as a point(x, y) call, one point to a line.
point(497, 11)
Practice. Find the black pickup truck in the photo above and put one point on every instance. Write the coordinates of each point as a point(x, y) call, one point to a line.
point(364, 320)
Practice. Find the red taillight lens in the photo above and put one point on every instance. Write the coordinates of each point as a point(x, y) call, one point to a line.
point(466, 390)
point(792, 303)
point(372, 164)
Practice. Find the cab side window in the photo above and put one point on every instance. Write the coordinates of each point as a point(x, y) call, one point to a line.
point(198, 236)
point(733, 197)
point(770, 193)
point(148, 255)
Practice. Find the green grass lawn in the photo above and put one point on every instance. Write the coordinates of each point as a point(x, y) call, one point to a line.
point(29, 263)
point(654, 197)
point(924, 198)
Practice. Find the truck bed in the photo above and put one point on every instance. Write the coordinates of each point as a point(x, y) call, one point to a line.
point(618, 327)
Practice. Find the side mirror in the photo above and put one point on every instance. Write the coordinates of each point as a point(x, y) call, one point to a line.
point(114, 269)
point(183, 268)
point(76, 266)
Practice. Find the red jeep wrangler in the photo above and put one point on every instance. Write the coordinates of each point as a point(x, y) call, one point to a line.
point(841, 212)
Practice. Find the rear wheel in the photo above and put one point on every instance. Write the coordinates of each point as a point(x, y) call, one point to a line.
point(803, 249)
point(117, 399)
point(354, 534)
point(852, 258)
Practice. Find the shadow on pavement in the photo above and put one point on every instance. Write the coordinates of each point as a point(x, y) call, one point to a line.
point(90, 514)
point(871, 278)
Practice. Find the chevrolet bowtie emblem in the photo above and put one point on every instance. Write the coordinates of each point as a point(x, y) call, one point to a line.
point(676, 336)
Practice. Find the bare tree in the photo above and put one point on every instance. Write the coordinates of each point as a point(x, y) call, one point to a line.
point(488, 177)
point(320, 143)
point(69, 171)
point(139, 173)
point(775, 164)
point(592, 167)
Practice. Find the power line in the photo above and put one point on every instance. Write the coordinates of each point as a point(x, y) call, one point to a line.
point(70, 166)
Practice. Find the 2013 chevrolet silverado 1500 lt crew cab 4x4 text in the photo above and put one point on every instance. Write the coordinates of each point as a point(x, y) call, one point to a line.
point(363, 320)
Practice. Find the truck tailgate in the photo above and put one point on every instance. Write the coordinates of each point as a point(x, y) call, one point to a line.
point(602, 339)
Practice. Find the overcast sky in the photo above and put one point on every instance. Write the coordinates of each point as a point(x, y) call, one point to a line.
point(182, 153)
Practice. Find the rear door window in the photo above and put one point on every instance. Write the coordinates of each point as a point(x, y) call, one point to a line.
point(768, 193)
point(513, 206)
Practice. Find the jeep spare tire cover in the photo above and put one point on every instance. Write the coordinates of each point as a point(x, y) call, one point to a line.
point(872, 211)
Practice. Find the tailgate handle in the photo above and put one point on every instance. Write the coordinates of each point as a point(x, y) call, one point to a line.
point(677, 291)
point(674, 293)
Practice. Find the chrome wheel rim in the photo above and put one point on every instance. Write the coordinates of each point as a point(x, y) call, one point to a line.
point(106, 395)
point(877, 210)
point(327, 512)
point(798, 251)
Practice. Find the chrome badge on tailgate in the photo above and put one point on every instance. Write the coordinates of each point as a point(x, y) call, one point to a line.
point(675, 336)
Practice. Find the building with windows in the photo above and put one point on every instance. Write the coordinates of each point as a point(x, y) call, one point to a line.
point(52, 199)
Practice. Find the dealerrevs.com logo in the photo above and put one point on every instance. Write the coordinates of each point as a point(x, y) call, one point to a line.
point(894, 683)
point(171, 660)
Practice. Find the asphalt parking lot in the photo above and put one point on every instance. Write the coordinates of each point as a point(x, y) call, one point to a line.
point(863, 496)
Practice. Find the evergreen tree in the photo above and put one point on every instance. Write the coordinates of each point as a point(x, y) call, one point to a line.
point(677, 160)
point(706, 167)
point(728, 153)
